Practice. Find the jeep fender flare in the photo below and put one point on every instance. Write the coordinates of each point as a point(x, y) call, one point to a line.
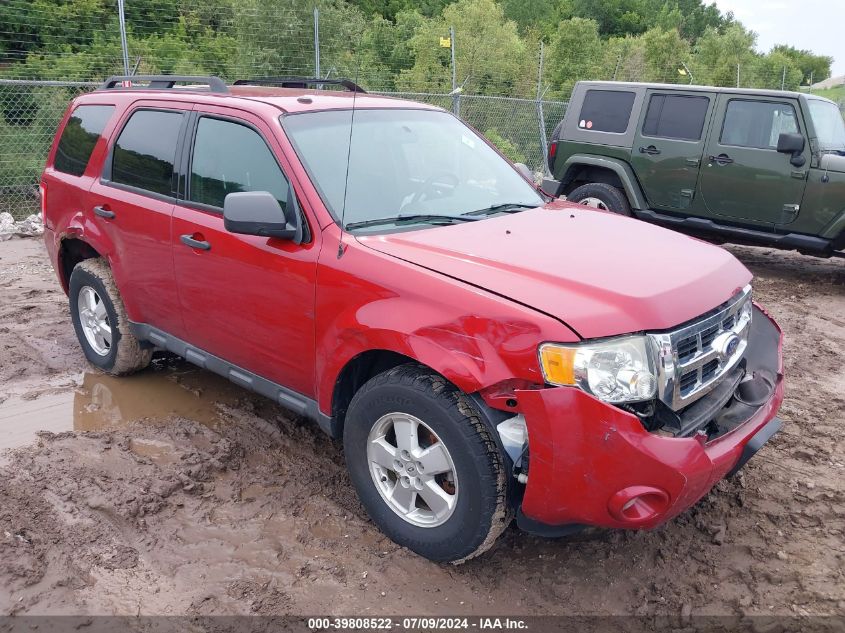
point(619, 167)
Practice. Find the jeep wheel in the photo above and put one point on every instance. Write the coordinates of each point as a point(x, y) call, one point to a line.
point(601, 196)
point(425, 465)
point(100, 321)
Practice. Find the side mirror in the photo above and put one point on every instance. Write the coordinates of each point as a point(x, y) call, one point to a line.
point(522, 168)
point(792, 144)
point(259, 213)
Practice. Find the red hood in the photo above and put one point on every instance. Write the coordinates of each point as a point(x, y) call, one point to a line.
point(600, 273)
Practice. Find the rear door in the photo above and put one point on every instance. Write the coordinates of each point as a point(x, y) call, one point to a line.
point(669, 144)
point(132, 203)
point(244, 298)
point(744, 177)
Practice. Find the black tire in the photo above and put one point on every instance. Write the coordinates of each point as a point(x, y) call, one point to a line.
point(481, 509)
point(125, 353)
point(611, 197)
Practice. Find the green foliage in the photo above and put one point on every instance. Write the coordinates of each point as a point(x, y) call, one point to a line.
point(505, 146)
point(813, 67)
point(491, 56)
point(395, 44)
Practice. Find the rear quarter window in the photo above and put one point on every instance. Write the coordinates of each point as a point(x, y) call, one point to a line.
point(82, 131)
point(606, 111)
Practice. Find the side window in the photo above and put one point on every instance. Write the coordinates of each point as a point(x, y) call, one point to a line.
point(79, 137)
point(676, 116)
point(757, 124)
point(606, 111)
point(145, 150)
point(228, 158)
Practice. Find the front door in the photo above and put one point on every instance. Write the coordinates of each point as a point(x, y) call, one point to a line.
point(244, 298)
point(667, 149)
point(744, 176)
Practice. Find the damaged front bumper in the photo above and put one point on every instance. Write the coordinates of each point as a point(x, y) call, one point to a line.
point(591, 463)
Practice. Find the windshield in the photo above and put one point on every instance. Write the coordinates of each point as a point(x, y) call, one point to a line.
point(830, 127)
point(419, 163)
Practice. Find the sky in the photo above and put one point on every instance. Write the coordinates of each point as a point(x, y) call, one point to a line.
point(816, 25)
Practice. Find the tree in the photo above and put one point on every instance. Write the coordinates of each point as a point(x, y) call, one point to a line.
point(719, 54)
point(814, 68)
point(664, 51)
point(491, 57)
point(575, 53)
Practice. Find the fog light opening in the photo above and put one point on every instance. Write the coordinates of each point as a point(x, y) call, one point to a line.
point(638, 504)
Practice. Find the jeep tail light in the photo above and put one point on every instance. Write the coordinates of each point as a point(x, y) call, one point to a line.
point(42, 190)
point(552, 153)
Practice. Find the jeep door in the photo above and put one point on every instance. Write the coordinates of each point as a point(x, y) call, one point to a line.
point(744, 177)
point(246, 299)
point(667, 149)
point(132, 203)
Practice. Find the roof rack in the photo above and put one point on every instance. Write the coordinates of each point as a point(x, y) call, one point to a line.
point(299, 82)
point(158, 82)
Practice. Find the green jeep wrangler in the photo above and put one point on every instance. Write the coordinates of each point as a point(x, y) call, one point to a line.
point(745, 166)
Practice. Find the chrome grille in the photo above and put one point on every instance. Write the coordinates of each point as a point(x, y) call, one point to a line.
point(692, 358)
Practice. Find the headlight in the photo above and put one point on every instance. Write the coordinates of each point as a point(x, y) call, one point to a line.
point(616, 370)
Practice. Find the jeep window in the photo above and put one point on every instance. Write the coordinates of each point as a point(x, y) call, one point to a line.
point(79, 137)
point(757, 124)
point(230, 157)
point(145, 150)
point(606, 111)
point(403, 162)
point(830, 127)
point(676, 116)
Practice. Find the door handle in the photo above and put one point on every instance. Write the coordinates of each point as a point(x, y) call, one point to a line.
point(651, 149)
point(104, 213)
point(188, 240)
point(721, 159)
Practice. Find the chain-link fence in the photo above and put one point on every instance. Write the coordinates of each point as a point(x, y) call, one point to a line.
point(29, 114)
point(509, 82)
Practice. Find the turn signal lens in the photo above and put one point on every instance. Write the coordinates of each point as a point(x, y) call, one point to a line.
point(558, 364)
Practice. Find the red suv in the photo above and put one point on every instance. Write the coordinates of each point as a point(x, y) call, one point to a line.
point(375, 265)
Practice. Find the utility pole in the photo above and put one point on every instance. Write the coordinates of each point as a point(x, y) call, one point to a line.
point(737, 75)
point(541, 117)
point(316, 42)
point(123, 45)
point(456, 98)
point(783, 80)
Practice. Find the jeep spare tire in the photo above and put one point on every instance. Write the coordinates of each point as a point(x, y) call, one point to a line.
point(601, 196)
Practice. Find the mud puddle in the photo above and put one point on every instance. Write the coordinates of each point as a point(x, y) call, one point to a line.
point(92, 401)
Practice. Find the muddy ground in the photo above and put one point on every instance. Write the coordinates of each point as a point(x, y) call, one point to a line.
point(174, 492)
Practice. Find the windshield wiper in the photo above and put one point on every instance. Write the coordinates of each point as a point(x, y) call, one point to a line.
point(411, 219)
point(504, 207)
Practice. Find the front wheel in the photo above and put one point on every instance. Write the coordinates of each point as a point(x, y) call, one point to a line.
point(425, 465)
point(601, 196)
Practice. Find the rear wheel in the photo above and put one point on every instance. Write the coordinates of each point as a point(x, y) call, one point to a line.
point(601, 196)
point(100, 320)
point(425, 465)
